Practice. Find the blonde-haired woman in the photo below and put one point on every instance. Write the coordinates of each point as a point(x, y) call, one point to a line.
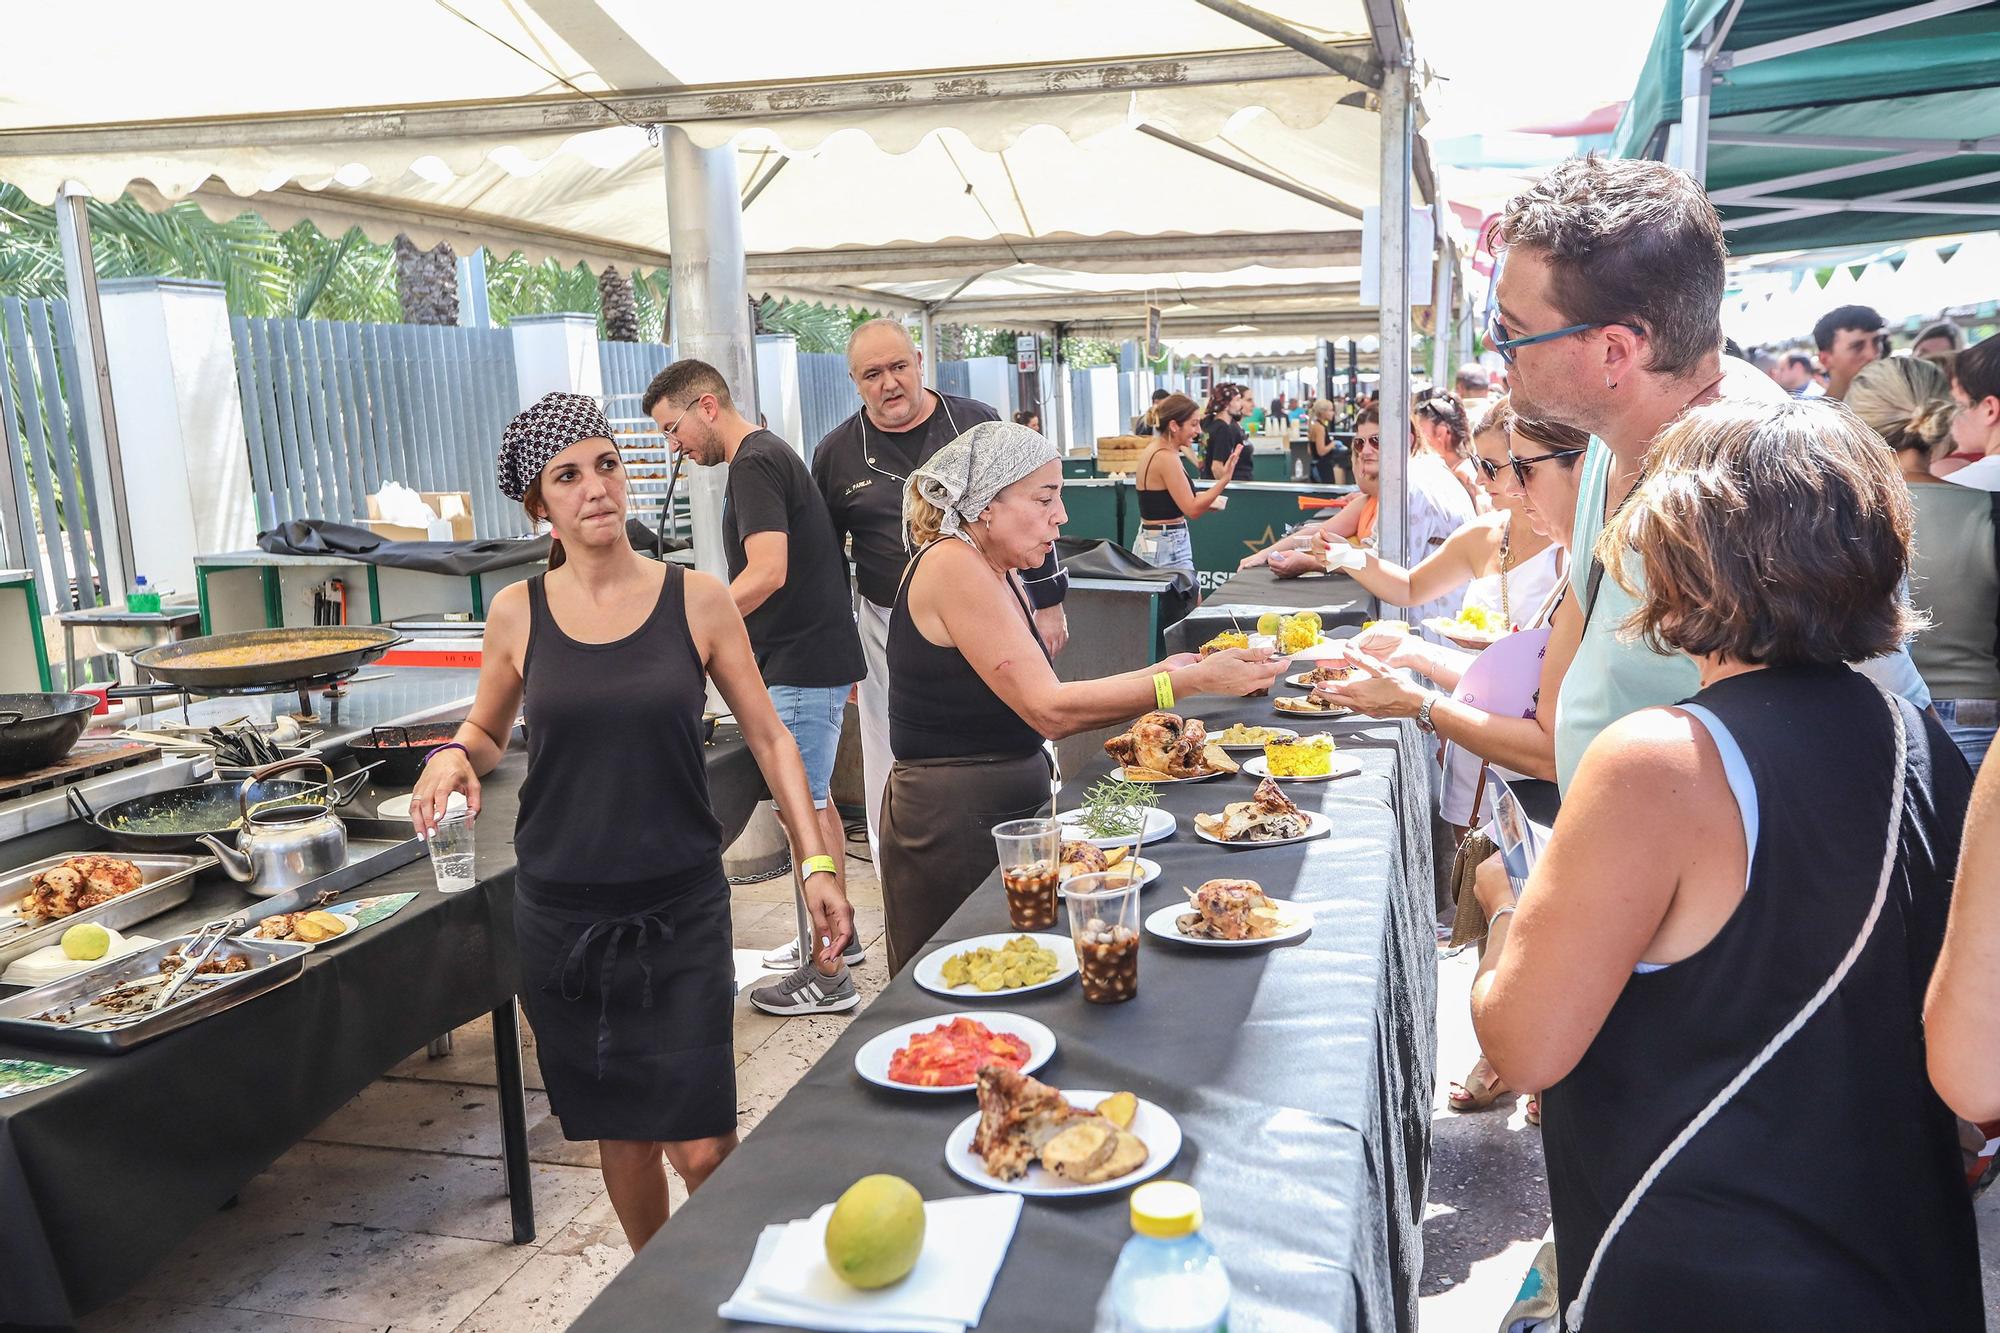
point(1321, 447)
point(1954, 577)
point(972, 695)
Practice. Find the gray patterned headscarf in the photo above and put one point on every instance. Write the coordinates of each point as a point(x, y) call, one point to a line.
point(553, 424)
point(963, 477)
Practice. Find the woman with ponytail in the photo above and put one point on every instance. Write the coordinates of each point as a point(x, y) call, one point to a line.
point(1954, 573)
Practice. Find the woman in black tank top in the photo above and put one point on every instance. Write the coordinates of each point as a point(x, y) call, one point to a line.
point(972, 693)
point(1721, 959)
point(1167, 500)
point(621, 910)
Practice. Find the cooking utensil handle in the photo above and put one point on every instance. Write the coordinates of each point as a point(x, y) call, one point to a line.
point(353, 782)
point(272, 770)
point(79, 806)
point(200, 948)
point(10, 716)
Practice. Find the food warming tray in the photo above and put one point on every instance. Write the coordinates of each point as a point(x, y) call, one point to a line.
point(22, 1018)
point(169, 882)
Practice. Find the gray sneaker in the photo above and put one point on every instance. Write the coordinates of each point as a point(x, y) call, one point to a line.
point(806, 991)
point(786, 956)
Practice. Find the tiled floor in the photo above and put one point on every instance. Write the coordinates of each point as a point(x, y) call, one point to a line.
point(393, 1213)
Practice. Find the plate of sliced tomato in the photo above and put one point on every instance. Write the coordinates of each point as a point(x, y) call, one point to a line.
point(945, 1053)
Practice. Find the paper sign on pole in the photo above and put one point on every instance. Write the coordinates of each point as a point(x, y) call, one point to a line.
point(1027, 354)
point(1423, 241)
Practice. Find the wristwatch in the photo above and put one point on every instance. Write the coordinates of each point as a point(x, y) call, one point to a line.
point(1424, 712)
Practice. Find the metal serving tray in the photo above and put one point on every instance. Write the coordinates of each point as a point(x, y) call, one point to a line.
point(272, 964)
point(169, 882)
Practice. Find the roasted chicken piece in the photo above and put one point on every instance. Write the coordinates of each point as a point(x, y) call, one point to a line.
point(1017, 1117)
point(1230, 909)
point(1163, 743)
point(1269, 814)
point(1081, 858)
point(79, 882)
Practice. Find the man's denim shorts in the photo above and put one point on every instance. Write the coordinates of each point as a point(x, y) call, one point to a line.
point(813, 715)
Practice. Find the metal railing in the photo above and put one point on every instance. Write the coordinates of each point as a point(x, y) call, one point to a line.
point(333, 410)
point(47, 511)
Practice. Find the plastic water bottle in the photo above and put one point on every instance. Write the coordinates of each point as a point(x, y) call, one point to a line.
point(1169, 1279)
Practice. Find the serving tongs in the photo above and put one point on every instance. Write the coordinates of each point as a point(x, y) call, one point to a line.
point(201, 946)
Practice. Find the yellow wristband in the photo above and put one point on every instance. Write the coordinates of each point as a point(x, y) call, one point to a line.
point(817, 865)
point(1163, 688)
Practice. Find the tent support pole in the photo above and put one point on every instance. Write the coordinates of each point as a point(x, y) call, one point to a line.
point(1690, 137)
point(100, 414)
point(1397, 133)
point(1062, 392)
point(1442, 309)
point(711, 303)
point(1367, 72)
point(927, 331)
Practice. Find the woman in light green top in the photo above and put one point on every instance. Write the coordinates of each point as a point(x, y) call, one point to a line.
point(1953, 572)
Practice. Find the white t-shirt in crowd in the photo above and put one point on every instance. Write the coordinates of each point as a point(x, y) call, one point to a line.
point(1981, 476)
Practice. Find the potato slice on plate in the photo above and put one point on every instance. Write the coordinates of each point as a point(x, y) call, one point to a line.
point(1119, 1108)
point(1216, 757)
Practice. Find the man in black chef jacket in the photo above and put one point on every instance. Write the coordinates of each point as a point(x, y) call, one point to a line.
point(862, 467)
point(790, 584)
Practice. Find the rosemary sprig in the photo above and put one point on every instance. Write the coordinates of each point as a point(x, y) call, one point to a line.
point(1115, 808)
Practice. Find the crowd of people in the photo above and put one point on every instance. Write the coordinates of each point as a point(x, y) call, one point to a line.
point(1764, 623)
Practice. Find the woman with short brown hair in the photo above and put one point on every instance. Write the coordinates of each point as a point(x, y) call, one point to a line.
point(1717, 969)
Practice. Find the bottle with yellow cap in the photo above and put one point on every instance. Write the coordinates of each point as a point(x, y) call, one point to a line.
point(1169, 1279)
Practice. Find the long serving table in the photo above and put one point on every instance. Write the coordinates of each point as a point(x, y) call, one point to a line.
point(103, 1175)
point(1249, 592)
point(1301, 1074)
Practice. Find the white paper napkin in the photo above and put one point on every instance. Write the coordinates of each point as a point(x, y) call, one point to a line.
point(965, 1241)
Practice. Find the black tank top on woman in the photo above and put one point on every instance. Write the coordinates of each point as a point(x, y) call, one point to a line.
point(1828, 1193)
point(939, 708)
point(617, 786)
point(1158, 506)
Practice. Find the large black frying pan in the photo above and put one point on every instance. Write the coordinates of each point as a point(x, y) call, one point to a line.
point(398, 752)
point(277, 656)
point(172, 820)
point(37, 729)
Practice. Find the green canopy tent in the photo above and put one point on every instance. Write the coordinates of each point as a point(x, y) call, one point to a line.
point(1827, 122)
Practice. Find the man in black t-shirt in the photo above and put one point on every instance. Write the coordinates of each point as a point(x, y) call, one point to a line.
point(787, 578)
point(862, 468)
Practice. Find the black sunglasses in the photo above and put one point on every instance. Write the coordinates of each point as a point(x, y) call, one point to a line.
point(1521, 465)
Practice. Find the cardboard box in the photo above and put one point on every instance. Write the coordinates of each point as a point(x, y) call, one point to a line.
point(454, 524)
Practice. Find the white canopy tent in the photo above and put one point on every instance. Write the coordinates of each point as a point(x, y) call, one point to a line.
point(1061, 161)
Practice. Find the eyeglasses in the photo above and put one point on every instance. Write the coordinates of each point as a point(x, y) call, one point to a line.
point(1521, 465)
point(1497, 339)
point(1368, 441)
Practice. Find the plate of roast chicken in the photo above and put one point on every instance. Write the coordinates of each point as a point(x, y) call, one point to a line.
point(1230, 914)
point(1267, 819)
point(1165, 747)
point(1029, 1138)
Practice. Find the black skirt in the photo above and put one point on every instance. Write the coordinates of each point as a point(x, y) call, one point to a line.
point(630, 991)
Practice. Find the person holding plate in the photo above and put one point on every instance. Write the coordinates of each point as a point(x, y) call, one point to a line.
point(621, 909)
point(973, 696)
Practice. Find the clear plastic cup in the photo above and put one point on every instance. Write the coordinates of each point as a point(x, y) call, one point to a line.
point(1104, 924)
point(1030, 866)
point(452, 853)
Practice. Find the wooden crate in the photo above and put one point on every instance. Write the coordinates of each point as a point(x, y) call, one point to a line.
point(1120, 453)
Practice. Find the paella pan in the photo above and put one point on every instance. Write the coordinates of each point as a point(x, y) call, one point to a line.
point(266, 656)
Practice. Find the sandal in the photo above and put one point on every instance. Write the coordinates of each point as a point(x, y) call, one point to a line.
point(1481, 1088)
point(1535, 1109)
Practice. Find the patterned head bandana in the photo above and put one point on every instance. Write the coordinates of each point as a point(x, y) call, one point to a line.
point(963, 477)
point(552, 425)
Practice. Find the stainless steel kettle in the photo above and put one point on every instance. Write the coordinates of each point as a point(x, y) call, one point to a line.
point(280, 847)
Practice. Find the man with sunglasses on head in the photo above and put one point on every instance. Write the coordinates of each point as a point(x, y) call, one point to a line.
point(1608, 315)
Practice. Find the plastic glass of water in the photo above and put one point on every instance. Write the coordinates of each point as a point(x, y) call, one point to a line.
point(451, 853)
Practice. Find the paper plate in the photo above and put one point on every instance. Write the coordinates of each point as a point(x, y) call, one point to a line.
point(1148, 872)
point(1463, 635)
point(1155, 1126)
point(1161, 923)
point(872, 1060)
point(1343, 767)
point(1278, 734)
point(1278, 704)
point(1127, 774)
point(1159, 824)
point(929, 970)
point(1317, 826)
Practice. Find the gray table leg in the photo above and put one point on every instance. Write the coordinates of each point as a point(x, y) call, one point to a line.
point(513, 1092)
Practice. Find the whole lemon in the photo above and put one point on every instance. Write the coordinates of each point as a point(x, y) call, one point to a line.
point(86, 943)
point(876, 1232)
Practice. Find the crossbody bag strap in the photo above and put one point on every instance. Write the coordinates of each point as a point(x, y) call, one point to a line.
point(1573, 1317)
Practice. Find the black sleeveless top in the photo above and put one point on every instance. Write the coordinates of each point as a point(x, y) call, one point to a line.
point(939, 708)
point(1828, 1193)
point(617, 787)
point(1158, 506)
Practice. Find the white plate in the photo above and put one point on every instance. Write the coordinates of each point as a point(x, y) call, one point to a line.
point(1317, 826)
point(1126, 773)
point(1463, 635)
point(1307, 712)
point(929, 971)
point(1159, 824)
point(396, 807)
point(1161, 923)
point(1280, 733)
point(1148, 872)
point(1320, 651)
point(1343, 767)
point(872, 1060)
point(1155, 1126)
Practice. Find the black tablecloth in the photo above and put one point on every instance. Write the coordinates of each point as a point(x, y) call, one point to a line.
point(1250, 592)
point(103, 1175)
point(1301, 1074)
